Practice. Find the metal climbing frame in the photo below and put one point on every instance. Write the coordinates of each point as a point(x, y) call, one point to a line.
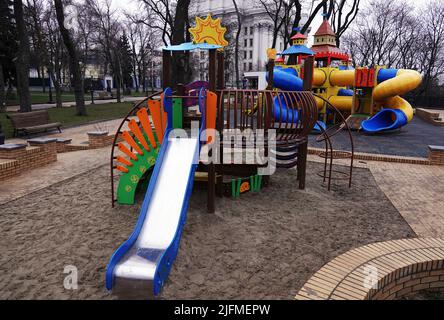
point(330, 154)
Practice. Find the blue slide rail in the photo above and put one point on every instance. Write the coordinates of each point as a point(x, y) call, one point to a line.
point(165, 262)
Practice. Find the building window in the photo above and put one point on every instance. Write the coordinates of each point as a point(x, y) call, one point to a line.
point(251, 42)
point(245, 66)
point(245, 54)
point(250, 66)
point(245, 42)
point(251, 54)
point(251, 30)
point(246, 30)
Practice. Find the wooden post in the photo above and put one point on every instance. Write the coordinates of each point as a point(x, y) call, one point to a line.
point(270, 70)
point(220, 70)
point(268, 111)
point(211, 197)
point(220, 86)
point(166, 66)
point(308, 73)
point(303, 148)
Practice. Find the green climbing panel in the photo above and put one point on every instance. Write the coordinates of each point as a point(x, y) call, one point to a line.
point(126, 191)
point(240, 186)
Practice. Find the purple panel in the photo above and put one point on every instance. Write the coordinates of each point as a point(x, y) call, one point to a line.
point(192, 90)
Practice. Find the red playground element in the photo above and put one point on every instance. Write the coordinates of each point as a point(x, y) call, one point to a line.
point(324, 45)
point(365, 78)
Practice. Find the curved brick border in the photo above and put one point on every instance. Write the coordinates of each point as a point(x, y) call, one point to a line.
point(380, 271)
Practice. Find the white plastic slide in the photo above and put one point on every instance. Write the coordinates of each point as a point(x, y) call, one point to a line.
point(140, 266)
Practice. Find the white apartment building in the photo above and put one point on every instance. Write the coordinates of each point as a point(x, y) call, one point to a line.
point(256, 35)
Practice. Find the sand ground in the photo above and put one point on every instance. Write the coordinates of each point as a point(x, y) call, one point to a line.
point(263, 246)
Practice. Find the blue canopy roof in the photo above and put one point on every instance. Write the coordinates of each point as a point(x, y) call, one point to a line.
point(297, 49)
point(188, 46)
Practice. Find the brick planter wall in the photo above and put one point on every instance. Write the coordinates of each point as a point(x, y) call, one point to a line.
point(99, 139)
point(380, 271)
point(19, 159)
point(436, 155)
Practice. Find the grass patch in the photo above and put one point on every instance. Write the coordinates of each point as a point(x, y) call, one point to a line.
point(67, 116)
point(41, 98)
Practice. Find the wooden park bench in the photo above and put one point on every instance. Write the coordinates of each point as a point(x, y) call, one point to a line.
point(32, 122)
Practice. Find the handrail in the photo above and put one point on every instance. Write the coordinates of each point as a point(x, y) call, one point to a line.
point(137, 106)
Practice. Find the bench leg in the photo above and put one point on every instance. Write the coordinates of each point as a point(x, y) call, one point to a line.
point(60, 130)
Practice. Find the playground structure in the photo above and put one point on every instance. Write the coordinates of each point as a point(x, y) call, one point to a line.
point(147, 153)
point(369, 97)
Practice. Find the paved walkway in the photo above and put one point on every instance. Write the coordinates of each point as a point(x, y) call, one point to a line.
point(67, 166)
point(411, 141)
point(417, 192)
point(43, 106)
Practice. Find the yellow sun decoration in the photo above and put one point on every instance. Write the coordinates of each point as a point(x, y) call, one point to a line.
point(209, 31)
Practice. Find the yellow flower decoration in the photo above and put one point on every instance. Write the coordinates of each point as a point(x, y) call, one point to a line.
point(128, 189)
point(134, 179)
point(151, 161)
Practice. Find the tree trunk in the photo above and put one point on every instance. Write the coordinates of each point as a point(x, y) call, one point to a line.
point(181, 61)
point(43, 80)
point(236, 47)
point(2, 91)
point(22, 61)
point(74, 65)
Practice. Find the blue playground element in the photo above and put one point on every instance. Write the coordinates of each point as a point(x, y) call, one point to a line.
point(297, 49)
point(386, 119)
point(281, 112)
point(345, 93)
point(287, 79)
point(386, 74)
point(319, 127)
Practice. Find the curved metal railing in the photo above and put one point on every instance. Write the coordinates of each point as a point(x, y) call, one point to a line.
point(292, 113)
point(331, 154)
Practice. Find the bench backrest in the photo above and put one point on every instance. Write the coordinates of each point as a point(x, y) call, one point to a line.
point(29, 119)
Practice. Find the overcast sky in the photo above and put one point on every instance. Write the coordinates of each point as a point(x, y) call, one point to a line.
point(132, 5)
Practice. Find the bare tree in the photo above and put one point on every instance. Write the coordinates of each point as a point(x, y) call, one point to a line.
point(55, 52)
point(73, 59)
point(276, 10)
point(342, 13)
point(22, 59)
point(160, 16)
point(394, 34)
point(107, 35)
point(237, 39)
point(2, 91)
point(181, 60)
point(432, 54)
